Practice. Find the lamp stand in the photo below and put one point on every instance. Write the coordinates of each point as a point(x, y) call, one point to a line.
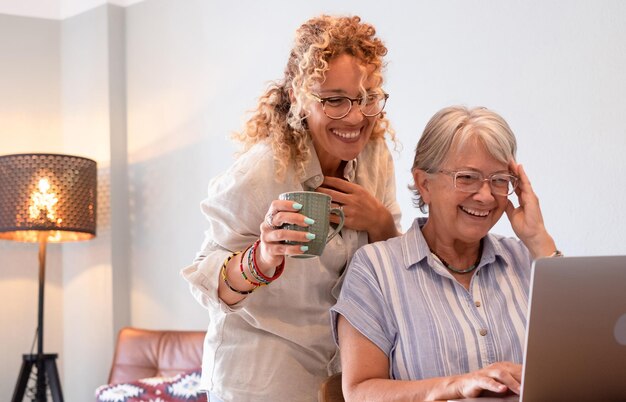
point(45, 363)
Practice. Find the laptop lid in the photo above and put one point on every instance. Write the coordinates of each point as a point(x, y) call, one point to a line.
point(576, 333)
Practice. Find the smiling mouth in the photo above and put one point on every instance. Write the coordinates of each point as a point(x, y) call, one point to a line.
point(474, 212)
point(348, 135)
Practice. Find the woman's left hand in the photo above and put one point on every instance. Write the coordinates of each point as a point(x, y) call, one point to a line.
point(527, 220)
point(361, 209)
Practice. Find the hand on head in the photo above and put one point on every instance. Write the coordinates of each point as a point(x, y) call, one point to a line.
point(527, 220)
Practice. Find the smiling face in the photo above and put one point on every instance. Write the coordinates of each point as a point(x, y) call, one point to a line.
point(456, 216)
point(341, 140)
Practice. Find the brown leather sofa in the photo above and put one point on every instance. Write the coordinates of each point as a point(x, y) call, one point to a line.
point(142, 353)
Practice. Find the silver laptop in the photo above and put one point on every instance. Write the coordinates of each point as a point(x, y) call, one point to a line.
point(576, 333)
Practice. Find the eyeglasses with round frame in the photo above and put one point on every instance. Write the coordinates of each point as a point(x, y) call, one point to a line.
point(338, 107)
point(470, 181)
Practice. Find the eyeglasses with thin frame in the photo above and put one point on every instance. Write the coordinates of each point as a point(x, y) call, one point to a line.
point(470, 182)
point(338, 107)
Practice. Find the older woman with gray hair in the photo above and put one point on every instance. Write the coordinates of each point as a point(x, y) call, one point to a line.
point(443, 307)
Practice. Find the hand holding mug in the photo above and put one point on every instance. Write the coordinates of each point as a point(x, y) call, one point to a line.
point(316, 207)
point(273, 236)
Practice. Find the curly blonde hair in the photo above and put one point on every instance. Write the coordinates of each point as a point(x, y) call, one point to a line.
point(282, 122)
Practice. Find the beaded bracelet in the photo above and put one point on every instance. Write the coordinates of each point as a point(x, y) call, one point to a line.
point(252, 267)
point(557, 253)
point(225, 279)
point(256, 284)
point(257, 271)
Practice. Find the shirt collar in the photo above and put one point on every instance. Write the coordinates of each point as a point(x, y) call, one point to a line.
point(415, 248)
point(313, 176)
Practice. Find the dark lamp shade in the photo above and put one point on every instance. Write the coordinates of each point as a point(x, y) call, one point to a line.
point(47, 193)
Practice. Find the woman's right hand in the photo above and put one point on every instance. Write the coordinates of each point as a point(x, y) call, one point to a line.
point(270, 252)
point(272, 248)
point(496, 378)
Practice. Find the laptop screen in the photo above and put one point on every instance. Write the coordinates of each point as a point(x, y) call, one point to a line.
point(576, 332)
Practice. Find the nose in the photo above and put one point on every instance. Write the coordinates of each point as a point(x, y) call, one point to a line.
point(484, 192)
point(354, 115)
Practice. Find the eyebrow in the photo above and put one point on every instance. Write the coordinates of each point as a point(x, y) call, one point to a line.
point(334, 91)
point(471, 169)
point(342, 92)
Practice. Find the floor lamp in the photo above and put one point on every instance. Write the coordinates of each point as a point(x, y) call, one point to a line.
point(45, 198)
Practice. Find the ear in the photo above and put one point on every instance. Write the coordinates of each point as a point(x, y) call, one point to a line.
point(292, 98)
point(422, 184)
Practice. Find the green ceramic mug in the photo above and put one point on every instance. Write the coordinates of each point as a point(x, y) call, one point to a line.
point(317, 207)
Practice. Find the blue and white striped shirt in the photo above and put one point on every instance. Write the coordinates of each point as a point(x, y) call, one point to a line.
point(408, 304)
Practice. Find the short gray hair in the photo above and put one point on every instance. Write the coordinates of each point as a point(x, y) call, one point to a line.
point(450, 129)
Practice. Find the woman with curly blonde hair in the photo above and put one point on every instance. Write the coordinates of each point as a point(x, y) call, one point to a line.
point(321, 128)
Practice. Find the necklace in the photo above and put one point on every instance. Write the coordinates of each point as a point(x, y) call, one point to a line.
point(457, 270)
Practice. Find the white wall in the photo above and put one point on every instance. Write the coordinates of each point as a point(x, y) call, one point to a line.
point(168, 116)
point(55, 9)
point(194, 67)
point(88, 267)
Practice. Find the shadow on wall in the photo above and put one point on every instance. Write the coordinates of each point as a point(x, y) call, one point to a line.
point(165, 191)
point(166, 230)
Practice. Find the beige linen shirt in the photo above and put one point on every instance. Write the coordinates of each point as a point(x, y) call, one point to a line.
point(276, 344)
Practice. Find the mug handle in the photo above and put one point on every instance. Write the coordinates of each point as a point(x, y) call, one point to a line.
point(339, 212)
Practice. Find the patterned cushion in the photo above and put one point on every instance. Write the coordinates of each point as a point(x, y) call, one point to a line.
point(182, 387)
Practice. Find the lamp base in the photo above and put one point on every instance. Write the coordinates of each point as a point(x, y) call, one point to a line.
point(46, 370)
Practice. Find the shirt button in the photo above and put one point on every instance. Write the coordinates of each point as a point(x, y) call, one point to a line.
point(482, 332)
point(477, 303)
